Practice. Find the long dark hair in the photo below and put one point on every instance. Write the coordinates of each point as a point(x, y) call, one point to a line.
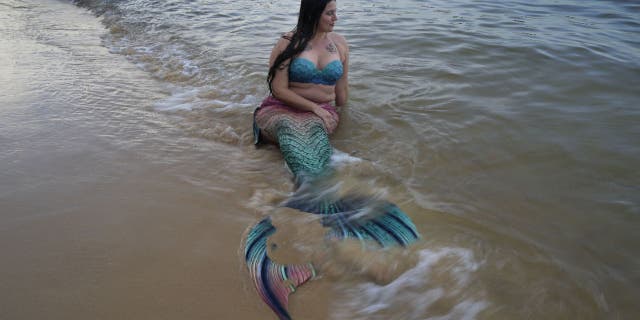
point(310, 12)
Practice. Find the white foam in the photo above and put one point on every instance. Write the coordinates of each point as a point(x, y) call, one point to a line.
point(179, 100)
point(339, 158)
point(173, 56)
point(415, 291)
point(250, 100)
point(207, 97)
point(189, 68)
point(220, 103)
point(193, 98)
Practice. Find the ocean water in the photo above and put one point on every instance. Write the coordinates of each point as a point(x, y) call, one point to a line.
point(508, 131)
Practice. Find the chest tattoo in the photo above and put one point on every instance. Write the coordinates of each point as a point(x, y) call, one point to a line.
point(331, 48)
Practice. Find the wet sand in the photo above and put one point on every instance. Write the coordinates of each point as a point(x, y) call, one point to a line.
point(92, 225)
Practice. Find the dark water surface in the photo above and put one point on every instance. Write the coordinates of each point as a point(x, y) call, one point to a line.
point(508, 131)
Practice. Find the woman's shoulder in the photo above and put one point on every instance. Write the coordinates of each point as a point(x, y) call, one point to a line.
point(283, 41)
point(339, 39)
point(341, 42)
point(287, 36)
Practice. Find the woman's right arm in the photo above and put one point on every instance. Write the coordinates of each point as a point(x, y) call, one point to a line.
point(281, 91)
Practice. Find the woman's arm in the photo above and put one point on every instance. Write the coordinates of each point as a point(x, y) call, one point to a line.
point(342, 86)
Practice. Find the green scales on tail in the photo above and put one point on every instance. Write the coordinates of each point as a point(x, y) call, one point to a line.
point(306, 149)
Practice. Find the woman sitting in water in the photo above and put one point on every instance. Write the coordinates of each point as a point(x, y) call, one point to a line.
point(308, 72)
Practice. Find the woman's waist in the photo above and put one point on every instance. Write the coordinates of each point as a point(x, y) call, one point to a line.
point(320, 94)
point(273, 102)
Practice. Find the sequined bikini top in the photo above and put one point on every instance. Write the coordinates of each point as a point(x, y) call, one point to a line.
point(305, 71)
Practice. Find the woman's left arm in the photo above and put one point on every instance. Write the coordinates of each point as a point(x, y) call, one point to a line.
point(342, 86)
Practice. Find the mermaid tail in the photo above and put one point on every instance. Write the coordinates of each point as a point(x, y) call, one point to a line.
point(306, 149)
point(384, 223)
point(273, 281)
point(361, 218)
point(301, 136)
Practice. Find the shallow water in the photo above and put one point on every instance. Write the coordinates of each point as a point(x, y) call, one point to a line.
point(507, 131)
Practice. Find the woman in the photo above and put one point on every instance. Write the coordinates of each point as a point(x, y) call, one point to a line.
point(308, 72)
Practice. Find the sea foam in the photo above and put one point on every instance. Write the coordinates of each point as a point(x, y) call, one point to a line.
point(440, 274)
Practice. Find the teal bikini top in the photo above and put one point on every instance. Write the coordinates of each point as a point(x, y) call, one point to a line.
point(305, 71)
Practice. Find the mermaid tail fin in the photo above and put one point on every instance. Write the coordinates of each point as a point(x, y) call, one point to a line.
point(274, 282)
point(349, 217)
point(360, 217)
point(387, 226)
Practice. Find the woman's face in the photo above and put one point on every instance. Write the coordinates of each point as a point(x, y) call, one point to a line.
point(328, 18)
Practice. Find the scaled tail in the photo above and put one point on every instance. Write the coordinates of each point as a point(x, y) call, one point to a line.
point(359, 217)
point(306, 149)
point(274, 282)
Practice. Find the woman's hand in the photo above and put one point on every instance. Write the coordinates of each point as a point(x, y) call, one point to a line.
point(330, 123)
